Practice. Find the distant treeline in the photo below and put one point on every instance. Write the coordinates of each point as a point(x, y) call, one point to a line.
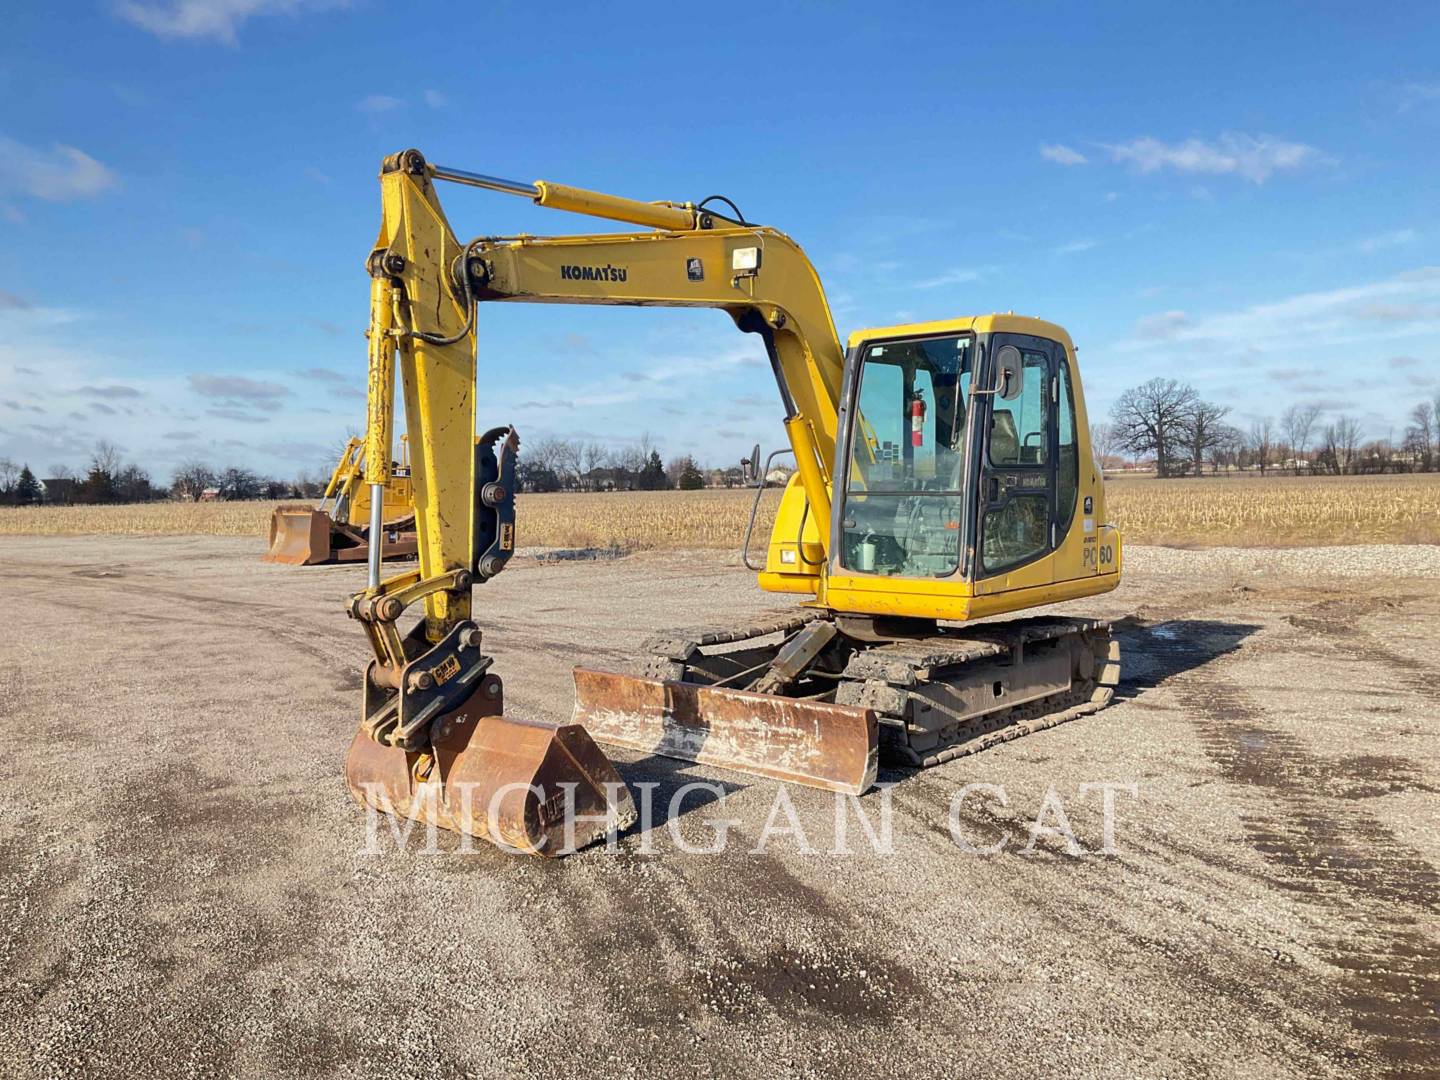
point(1169, 423)
point(110, 479)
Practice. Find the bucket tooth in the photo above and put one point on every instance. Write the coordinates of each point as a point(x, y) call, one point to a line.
point(527, 786)
point(815, 743)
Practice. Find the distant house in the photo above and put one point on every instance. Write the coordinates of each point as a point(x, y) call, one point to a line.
point(725, 478)
point(210, 494)
point(608, 480)
point(777, 477)
point(60, 490)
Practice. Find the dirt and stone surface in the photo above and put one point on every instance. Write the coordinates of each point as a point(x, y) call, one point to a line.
point(185, 886)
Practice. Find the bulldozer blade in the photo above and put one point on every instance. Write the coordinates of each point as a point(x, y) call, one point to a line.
point(526, 786)
point(299, 537)
point(303, 537)
point(834, 747)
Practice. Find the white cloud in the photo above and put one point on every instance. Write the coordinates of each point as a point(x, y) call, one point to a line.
point(238, 390)
point(1076, 246)
point(218, 19)
point(379, 103)
point(1418, 93)
point(671, 379)
point(950, 277)
point(19, 317)
point(1406, 305)
point(1254, 157)
point(59, 393)
point(1163, 326)
point(435, 99)
point(59, 174)
point(1062, 154)
point(1396, 238)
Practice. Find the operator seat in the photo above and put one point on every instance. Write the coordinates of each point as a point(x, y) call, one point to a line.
point(1004, 440)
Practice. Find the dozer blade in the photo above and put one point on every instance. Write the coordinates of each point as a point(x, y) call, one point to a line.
point(815, 743)
point(531, 787)
point(299, 537)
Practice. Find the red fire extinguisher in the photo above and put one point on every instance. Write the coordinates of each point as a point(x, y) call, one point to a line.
point(917, 420)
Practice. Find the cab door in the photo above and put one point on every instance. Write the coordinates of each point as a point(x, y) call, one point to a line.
point(1017, 505)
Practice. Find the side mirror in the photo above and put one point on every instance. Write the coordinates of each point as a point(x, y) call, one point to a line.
point(750, 467)
point(1008, 381)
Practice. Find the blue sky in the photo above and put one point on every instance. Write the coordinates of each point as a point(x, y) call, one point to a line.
point(1240, 195)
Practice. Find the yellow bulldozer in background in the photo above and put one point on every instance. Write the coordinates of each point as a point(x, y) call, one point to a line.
point(338, 529)
point(944, 474)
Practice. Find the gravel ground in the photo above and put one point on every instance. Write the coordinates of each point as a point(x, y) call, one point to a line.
point(185, 886)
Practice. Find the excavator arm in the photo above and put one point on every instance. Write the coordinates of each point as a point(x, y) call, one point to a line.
point(432, 714)
point(757, 275)
point(426, 285)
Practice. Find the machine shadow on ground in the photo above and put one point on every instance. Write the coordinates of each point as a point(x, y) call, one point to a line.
point(1152, 653)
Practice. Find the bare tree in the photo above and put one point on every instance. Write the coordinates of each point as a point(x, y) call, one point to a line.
point(1261, 441)
point(1327, 453)
point(191, 478)
point(239, 483)
point(105, 458)
point(1102, 442)
point(1152, 418)
point(1435, 428)
point(1378, 456)
point(132, 484)
point(1204, 431)
point(555, 455)
point(1420, 435)
point(571, 458)
point(592, 456)
point(1347, 442)
point(629, 458)
point(1297, 425)
point(307, 486)
point(9, 477)
point(1230, 445)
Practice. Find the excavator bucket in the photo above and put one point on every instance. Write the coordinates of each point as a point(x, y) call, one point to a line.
point(303, 537)
point(815, 743)
point(527, 786)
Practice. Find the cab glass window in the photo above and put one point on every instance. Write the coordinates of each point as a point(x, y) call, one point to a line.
point(907, 470)
point(1067, 462)
point(1017, 426)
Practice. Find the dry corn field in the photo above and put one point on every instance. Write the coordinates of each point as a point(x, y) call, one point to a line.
point(1239, 511)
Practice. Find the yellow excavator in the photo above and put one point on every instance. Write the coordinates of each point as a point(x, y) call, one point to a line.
point(943, 475)
point(337, 530)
